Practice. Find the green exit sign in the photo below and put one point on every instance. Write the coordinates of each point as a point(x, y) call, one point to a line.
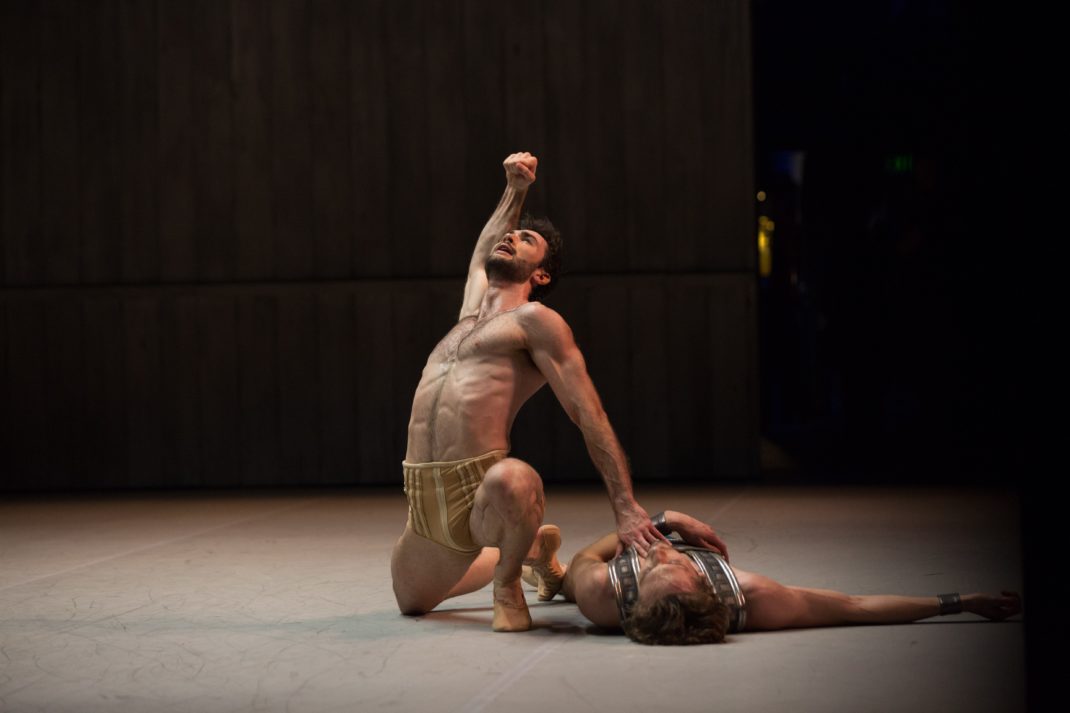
point(903, 163)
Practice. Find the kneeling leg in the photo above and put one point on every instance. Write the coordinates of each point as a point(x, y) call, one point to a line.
point(508, 510)
point(424, 573)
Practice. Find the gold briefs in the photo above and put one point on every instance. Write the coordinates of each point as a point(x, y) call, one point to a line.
point(441, 495)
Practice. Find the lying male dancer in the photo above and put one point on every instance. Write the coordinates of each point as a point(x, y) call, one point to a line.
point(464, 493)
point(676, 604)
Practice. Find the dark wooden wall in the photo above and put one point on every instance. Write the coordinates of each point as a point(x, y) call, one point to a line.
point(232, 231)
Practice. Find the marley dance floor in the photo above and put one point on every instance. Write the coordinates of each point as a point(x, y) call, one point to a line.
point(281, 601)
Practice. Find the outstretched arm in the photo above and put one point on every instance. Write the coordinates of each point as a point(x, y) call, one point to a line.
point(555, 353)
point(771, 605)
point(519, 175)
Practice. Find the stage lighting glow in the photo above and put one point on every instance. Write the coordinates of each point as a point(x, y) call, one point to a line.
point(765, 245)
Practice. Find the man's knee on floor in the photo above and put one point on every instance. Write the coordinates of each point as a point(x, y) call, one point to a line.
point(412, 604)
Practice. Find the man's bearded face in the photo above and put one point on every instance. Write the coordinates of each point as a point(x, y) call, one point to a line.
point(516, 256)
point(508, 270)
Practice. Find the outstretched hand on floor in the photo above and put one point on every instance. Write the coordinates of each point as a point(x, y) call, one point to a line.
point(993, 606)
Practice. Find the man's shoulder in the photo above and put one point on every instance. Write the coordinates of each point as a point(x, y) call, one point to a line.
point(595, 594)
point(538, 316)
point(542, 325)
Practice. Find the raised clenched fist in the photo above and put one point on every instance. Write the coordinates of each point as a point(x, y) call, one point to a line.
point(520, 169)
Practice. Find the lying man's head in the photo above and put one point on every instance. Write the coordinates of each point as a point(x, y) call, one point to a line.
point(676, 603)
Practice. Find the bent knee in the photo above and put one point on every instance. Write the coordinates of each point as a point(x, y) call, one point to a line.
point(410, 595)
point(411, 609)
point(412, 604)
point(512, 479)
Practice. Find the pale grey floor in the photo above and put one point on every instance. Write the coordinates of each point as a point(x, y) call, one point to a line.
point(282, 602)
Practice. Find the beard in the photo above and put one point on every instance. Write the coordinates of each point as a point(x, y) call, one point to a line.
point(507, 270)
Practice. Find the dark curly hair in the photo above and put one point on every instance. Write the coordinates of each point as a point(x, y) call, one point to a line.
point(551, 262)
point(698, 617)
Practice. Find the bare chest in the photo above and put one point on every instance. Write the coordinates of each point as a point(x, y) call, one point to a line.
point(470, 340)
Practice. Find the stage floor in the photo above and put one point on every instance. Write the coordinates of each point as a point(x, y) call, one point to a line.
point(209, 601)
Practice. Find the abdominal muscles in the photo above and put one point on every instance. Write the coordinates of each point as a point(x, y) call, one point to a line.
point(463, 410)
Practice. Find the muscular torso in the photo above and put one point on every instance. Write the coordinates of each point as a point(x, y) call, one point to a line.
point(475, 381)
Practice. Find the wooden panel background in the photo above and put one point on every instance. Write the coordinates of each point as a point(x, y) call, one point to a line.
point(232, 231)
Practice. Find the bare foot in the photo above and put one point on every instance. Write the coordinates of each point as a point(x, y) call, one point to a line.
point(510, 609)
point(992, 606)
point(541, 568)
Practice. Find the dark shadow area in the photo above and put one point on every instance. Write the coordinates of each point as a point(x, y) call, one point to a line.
point(899, 146)
point(889, 322)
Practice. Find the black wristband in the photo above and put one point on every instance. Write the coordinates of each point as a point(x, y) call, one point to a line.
point(950, 603)
point(659, 523)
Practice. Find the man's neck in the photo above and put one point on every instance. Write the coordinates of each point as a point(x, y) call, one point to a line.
point(502, 297)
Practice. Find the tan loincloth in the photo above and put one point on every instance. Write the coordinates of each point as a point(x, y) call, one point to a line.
point(441, 495)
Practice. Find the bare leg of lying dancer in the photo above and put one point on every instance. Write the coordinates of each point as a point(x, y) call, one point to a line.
point(677, 605)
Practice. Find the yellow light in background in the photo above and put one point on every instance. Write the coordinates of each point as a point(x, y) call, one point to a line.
point(765, 245)
point(761, 196)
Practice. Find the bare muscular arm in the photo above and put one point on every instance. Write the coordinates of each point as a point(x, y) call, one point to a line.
point(771, 605)
point(556, 355)
point(519, 175)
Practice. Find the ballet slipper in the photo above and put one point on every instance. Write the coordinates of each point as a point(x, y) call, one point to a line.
point(545, 572)
point(510, 609)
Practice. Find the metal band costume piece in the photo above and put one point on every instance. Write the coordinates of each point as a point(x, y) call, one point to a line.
point(624, 576)
point(661, 524)
point(950, 603)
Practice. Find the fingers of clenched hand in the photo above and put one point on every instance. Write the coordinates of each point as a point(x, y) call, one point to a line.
point(521, 164)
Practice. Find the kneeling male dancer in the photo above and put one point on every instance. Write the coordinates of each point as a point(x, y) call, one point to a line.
point(466, 496)
point(665, 598)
